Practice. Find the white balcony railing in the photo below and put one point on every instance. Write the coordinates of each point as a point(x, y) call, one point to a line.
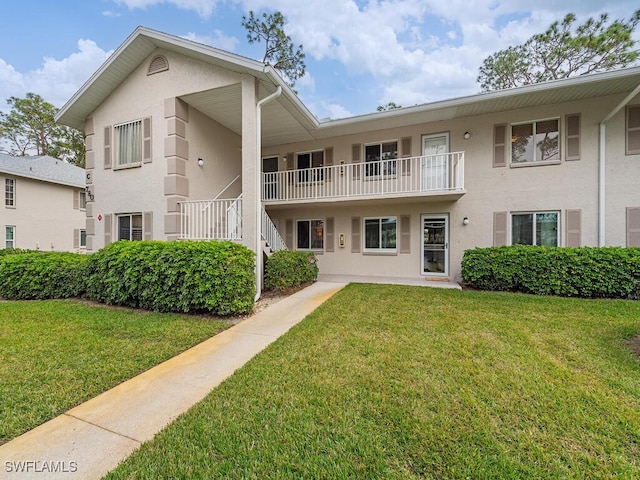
point(397, 177)
point(211, 219)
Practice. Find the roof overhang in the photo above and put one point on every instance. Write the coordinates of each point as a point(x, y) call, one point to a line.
point(142, 42)
point(287, 120)
point(552, 92)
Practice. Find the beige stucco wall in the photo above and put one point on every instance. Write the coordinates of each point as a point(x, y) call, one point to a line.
point(557, 187)
point(44, 215)
point(156, 186)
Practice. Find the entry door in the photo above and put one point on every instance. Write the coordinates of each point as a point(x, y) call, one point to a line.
point(435, 245)
point(435, 162)
point(270, 167)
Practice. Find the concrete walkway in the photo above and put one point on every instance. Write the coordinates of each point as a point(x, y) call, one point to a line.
point(91, 439)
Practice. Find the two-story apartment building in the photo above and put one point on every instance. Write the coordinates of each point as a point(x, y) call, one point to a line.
point(187, 141)
point(44, 204)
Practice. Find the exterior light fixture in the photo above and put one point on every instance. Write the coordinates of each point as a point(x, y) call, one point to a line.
point(200, 162)
point(466, 135)
point(285, 159)
point(465, 221)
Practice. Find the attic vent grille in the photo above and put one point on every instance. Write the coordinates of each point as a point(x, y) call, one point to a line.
point(157, 65)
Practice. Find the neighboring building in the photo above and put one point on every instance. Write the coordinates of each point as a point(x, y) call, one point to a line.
point(172, 124)
point(44, 204)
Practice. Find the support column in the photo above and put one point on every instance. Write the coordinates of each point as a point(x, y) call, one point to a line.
point(176, 154)
point(250, 165)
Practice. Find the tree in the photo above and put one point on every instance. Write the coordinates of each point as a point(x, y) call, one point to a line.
point(30, 127)
point(596, 46)
point(279, 49)
point(388, 106)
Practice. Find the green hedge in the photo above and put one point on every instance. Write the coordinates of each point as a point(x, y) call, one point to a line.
point(31, 275)
point(214, 277)
point(290, 268)
point(589, 272)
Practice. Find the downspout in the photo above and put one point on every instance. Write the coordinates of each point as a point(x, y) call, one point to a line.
point(258, 205)
point(602, 159)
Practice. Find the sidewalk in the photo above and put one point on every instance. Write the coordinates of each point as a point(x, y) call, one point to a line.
point(91, 439)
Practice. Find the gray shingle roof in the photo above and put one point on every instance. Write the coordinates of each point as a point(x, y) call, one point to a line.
point(45, 168)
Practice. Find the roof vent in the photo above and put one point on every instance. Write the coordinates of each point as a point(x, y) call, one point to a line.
point(158, 64)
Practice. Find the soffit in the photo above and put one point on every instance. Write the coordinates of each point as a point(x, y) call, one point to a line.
point(579, 88)
point(282, 122)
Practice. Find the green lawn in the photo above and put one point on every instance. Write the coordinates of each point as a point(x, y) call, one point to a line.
point(56, 354)
point(410, 382)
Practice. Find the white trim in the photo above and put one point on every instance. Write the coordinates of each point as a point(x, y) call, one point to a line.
point(534, 162)
point(13, 236)
point(435, 216)
point(534, 213)
point(323, 221)
point(380, 250)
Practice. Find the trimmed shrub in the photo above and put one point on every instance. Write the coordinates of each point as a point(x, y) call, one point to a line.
point(589, 272)
point(214, 277)
point(290, 268)
point(32, 275)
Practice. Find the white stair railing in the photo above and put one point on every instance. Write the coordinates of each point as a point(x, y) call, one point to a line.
point(270, 233)
point(211, 219)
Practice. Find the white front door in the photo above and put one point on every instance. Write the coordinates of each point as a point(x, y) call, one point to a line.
point(435, 162)
point(435, 245)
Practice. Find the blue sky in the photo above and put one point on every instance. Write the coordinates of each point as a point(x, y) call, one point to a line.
point(360, 54)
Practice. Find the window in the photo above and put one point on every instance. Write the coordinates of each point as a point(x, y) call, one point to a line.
point(381, 157)
point(130, 227)
point(83, 239)
point(380, 234)
point(535, 229)
point(310, 234)
point(535, 142)
point(9, 192)
point(10, 236)
point(83, 200)
point(128, 144)
point(633, 130)
point(307, 161)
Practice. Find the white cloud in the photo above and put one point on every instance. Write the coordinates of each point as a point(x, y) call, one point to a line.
point(56, 80)
point(420, 50)
point(204, 8)
point(217, 40)
point(109, 13)
point(334, 110)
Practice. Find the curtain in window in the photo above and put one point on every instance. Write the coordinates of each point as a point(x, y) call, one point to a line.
point(547, 229)
point(128, 143)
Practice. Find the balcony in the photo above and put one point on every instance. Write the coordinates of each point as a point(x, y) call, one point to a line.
point(434, 175)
